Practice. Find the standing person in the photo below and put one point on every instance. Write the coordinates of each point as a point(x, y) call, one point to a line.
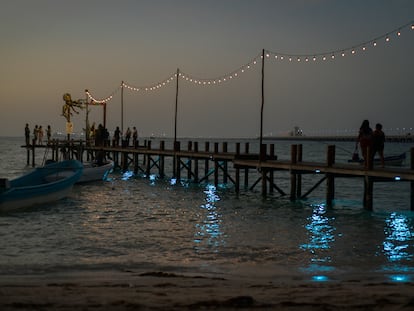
point(378, 140)
point(365, 140)
point(134, 135)
point(49, 134)
point(99, 136)
point(27, 134)
point(117, 136)
point(40, 134)
point(128, 136)
point(35, 134)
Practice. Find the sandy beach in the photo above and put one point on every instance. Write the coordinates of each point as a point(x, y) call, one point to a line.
point(103, 290)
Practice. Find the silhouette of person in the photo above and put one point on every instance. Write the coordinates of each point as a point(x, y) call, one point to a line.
point(378, 140)
point(27, 134)
point(365, 140)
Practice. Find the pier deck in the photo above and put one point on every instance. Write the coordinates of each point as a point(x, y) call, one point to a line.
point(198, 165)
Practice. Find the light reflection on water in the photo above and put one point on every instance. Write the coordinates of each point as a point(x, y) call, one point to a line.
point(398, 247)
point(208, 230)
point(150, 222)
point(321, 235)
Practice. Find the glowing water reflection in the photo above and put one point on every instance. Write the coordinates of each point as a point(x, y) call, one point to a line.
point(397, 247)
point(208, 230)
point(321, 236)
point(398, 236)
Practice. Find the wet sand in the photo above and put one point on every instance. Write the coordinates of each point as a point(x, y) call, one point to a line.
point(152, 290)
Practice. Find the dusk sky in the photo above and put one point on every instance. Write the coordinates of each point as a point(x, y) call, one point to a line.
point(53, 47)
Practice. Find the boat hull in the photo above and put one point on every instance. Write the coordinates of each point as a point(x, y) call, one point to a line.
point(42, 185)
point(92, 172)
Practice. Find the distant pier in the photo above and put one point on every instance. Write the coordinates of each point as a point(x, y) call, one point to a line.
point(200, 163)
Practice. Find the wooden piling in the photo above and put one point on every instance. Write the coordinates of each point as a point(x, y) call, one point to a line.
point(330, 180)
point(293, 175)
point(412, 182)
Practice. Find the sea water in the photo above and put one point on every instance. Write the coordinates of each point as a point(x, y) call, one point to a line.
point(135, 222)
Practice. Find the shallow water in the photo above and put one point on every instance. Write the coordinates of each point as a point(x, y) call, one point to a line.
point(132, 222)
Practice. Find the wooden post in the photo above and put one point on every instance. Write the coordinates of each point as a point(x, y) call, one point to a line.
point(368, 193)
point(206, 161)
point(246, 170)
point(293, 183)
point(330, 180)
point(177, 159)
point(28, 155)
point(264, 181)
point(237, 185)
point(271, 171)
point(216, 166)
point(124, 161)
point(122, 107)
point(196, 162)
point(136, 163)
point(299, 177)
point(412, 182)
point(261, 156)
point(162, 160)
point(33, 153)
point(176, 108)
point(225, 171)
point(189, 166)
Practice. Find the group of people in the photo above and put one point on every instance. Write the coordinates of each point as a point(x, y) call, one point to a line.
point(38, 134)
point(371, 142)
point(127, 137)
point(101, 135)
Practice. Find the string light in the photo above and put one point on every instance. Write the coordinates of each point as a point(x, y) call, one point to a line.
point(269, 54)
point(95, 101)
point(343, 52)
point(223, 78)
point(152, 87)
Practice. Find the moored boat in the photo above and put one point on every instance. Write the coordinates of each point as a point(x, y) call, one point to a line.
point(94, 172)
point(394, 160)
point(42, 185)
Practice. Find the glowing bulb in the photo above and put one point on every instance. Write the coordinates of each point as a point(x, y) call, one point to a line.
point(314, 58)
point(398, 33)
point(387, 39)
point(333, 56)
point(364, 48)
point(374, 43)
point(306, 59)
point(343, 54)
point(324, 58)
point(412, 27)
point(298, 59)
point(290, 59)
point(281, 57)
point(267, 55)
point(353, 51)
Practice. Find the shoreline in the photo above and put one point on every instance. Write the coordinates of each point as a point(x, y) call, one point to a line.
point(156, 290)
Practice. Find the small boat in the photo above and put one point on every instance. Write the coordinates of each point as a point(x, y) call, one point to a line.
point(394, 160)
point(43, 184)
point(94, 172)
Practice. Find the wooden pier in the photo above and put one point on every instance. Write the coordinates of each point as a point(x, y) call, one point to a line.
point(201, 163)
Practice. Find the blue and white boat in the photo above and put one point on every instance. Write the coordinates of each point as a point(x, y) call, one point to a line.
point(43, 184)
